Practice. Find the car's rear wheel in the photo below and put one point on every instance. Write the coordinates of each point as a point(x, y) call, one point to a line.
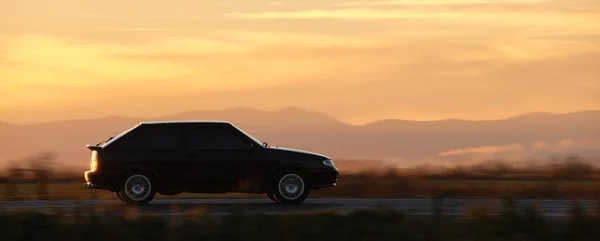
point(291, 187)
point(138, 189)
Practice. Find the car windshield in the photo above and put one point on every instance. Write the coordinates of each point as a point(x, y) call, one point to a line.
point(249, 136)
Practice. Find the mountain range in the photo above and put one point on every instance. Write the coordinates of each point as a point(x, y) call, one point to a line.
point(401, 142)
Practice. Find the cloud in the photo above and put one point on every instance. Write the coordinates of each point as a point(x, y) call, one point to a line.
point(141, 29)
point(523, 151)
point(490, 16)
point(461, 21)
point(276, 3)
point(358, 79)
point(433, 2)
point(374, 59)
point(345, 14)
point(63, 55)
point(96, 16)
point(132, 15)
point(507, 6)
point(485, 150)
point(295, 40)
point(387, 14)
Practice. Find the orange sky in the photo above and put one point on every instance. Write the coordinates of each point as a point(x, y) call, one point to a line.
point(355, 60)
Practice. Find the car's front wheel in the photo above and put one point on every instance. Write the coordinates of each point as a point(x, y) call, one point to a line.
point(291, 188)
point(138, 189)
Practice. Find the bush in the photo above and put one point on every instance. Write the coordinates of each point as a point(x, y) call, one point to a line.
point(381, 225)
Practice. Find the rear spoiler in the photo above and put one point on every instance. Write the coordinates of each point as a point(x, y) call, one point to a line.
point(94, 147)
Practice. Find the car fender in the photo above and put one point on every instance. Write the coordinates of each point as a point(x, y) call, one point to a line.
point(141, 168)
point(288, 165)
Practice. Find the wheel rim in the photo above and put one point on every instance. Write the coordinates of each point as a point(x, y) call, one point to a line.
point(137, 187)
point(291, 186)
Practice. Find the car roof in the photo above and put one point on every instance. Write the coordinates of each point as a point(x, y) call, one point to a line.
point(184, 122)
point(212, 122)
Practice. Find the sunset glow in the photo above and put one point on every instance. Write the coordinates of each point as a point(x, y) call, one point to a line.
point(358, 61)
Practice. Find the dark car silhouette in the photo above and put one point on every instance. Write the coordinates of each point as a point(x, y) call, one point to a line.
point(170, 158)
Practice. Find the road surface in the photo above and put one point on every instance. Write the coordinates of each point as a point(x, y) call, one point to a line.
point(175, 207)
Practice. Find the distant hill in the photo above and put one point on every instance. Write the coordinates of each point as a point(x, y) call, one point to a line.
point(290, 117)
point(394, 141)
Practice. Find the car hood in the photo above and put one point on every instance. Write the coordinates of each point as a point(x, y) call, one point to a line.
point(296, 153)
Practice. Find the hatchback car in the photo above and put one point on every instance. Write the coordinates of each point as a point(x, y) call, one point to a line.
point(170, 158)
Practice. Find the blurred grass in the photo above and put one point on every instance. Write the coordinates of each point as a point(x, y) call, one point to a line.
point(76, 191)
point(353, 187)
point(380, 225)
point(572, 178)
point(397, 187)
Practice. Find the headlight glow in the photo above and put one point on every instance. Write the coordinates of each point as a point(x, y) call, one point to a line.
point(328, 163)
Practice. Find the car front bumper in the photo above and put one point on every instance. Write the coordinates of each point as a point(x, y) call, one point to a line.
point(324, 178)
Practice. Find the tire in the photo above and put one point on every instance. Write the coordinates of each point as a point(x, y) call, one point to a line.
point(272, 197)
point(291, 187)
point(138, 189)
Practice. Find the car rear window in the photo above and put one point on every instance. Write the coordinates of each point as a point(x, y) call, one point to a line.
point(151, 137)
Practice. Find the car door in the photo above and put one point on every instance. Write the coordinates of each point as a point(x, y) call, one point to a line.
point(218, 156)
point(155, 147)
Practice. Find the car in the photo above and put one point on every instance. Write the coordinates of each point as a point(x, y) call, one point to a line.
point(174, 157)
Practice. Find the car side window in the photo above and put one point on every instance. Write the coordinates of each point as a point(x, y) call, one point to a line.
point(151, 137)
point(215, 139)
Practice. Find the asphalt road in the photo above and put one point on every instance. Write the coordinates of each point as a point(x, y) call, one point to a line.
point(177, 207)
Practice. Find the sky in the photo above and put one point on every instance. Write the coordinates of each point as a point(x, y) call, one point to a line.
point(356, 60)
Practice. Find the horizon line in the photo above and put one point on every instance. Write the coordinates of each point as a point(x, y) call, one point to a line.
point(297, 108)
